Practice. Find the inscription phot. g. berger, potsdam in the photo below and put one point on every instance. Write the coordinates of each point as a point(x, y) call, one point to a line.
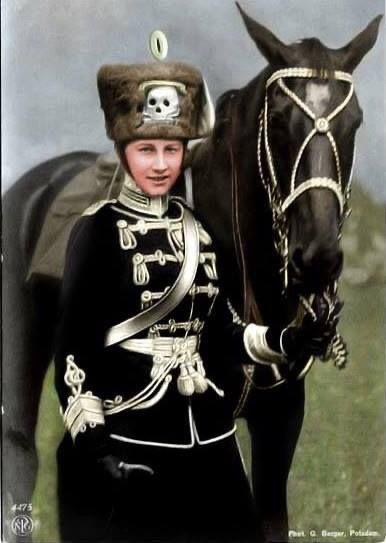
point(351, 534)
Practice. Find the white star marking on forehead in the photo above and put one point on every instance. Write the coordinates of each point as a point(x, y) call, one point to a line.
point(317, 97)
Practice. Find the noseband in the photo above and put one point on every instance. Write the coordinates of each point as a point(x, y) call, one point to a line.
point(278, 202)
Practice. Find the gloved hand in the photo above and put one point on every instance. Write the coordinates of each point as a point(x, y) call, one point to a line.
point(116, 469)
point(313, 336)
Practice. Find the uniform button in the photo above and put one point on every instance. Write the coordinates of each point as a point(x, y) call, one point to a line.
point(138, 258)
point(142, 227)
point(146, 296)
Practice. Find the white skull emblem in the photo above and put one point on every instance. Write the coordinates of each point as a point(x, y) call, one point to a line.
point(162, 105)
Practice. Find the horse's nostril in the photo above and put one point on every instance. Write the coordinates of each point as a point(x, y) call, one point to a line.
point(322, 261)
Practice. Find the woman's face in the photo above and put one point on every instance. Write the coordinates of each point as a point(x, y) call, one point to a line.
point(154, 164)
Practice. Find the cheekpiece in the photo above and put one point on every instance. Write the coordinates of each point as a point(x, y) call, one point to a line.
point(155, 100)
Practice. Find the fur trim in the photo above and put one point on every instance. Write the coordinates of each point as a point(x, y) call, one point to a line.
point(122, 101)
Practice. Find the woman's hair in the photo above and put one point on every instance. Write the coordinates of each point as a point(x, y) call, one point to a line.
point(120, 150)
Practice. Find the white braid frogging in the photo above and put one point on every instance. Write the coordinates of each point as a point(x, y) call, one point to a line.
point(84, 409)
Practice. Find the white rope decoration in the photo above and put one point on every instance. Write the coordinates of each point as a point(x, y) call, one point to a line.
point(343, 104)
point(315, 182)
point(296, 99)
point(74, 376)
point(321, 126)
point(336, 155)
point(83, 409)
point(309, 73)
point(279, 204)
point(299, 157)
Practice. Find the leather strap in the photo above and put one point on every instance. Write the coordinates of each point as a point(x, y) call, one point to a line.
point(173, 297)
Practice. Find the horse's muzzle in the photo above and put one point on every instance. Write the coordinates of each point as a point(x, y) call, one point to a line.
point(312, 269)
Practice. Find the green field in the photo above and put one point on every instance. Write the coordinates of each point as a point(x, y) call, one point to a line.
point(338, 479)
point(337, 482)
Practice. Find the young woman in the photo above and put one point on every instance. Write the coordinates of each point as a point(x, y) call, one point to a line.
point(146, 346)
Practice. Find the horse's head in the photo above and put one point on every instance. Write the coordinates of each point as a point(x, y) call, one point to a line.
point(306, 147)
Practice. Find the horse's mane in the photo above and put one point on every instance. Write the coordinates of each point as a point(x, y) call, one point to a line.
point(314, 53)
point(196, 154)
point(222, 104)
point(199, 152)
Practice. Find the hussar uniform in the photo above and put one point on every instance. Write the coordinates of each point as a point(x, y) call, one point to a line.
point(138, 252)
point(146, 347)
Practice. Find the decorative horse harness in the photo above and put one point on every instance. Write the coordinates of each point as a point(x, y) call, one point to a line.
point(280, 203)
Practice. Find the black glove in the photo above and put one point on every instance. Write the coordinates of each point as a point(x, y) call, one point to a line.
point(313, 336)
point(116, 469)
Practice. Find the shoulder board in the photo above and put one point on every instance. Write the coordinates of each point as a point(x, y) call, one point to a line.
point(91, 210)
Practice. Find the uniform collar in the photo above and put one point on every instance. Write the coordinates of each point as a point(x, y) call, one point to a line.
point(132, 197)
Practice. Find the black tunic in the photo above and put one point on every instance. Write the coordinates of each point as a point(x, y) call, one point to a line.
point(119, 262)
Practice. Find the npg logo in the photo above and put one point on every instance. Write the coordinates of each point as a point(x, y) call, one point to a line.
point(22, 525)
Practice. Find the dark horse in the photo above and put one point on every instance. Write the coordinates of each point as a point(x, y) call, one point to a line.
point(251, 177)
point(284, 238)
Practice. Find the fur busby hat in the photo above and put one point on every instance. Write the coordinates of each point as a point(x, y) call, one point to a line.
point(155, 100)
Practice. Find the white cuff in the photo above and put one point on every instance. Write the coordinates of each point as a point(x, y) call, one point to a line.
point(281, 342)
point(257, 348)
point(84, 409)
point(83, 412)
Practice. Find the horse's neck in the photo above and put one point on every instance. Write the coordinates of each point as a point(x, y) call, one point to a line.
point(230, 156)
point(255, 214)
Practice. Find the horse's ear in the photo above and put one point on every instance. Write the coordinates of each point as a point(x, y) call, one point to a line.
point(275, 51)
point(352, 53)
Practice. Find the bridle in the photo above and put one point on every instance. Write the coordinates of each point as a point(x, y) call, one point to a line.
point(279, 205)
point(278, 202)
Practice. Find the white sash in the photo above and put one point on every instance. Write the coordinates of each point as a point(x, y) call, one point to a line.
point(172, 298)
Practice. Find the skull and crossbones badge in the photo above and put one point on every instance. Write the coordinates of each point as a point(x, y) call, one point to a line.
point(161, 101)
point(161, 105)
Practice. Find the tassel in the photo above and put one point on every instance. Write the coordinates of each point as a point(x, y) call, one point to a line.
point(140, 272)
point(200, 384)
point(127, 239)
point(185, 384)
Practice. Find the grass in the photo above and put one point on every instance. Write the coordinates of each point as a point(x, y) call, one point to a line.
point(337, 481)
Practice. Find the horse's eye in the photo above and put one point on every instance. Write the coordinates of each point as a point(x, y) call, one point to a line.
point(276, 116)
point(351, 122)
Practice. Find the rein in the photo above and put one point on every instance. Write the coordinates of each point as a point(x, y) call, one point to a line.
point(250, 307)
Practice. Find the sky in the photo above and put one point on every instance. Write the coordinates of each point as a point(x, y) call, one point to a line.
point(52, 49)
